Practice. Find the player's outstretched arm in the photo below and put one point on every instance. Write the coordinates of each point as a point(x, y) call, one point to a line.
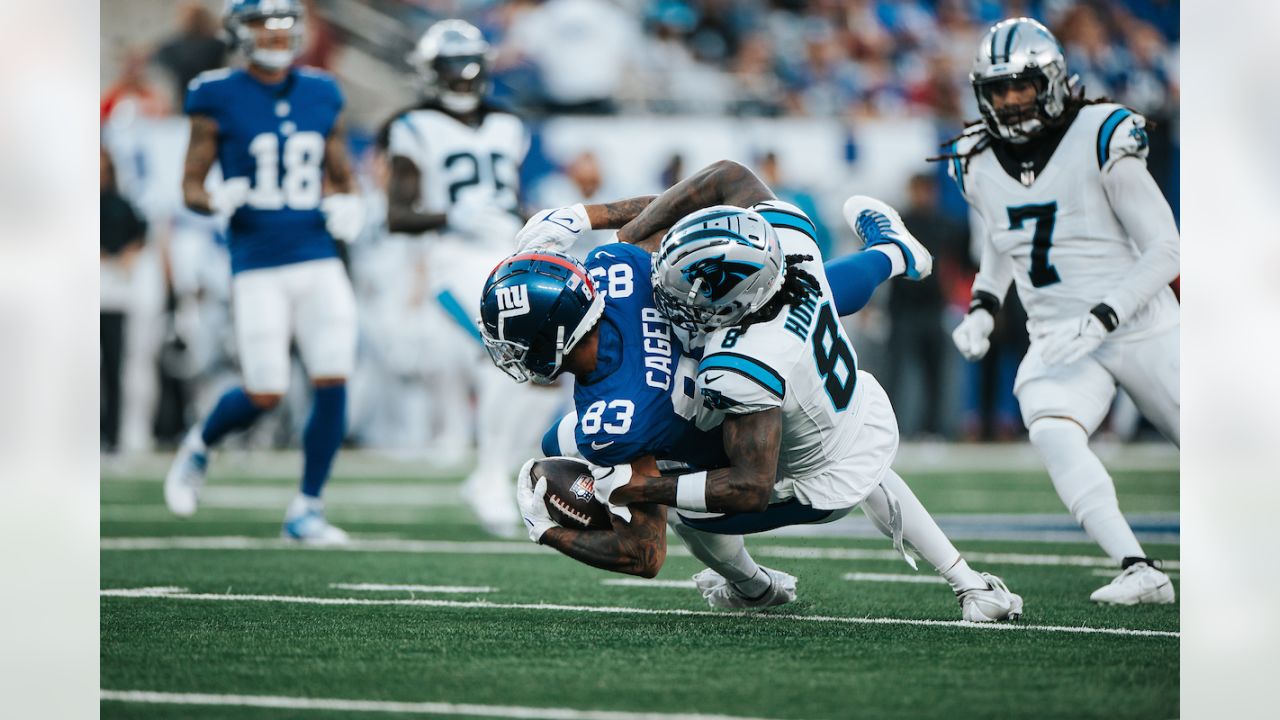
point(724, 182)
point(202, 150)
point(752, 442)
point(638, 547)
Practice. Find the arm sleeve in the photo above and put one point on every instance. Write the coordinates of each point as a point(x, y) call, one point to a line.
point(738, 384)
point(560, 440)
point(855, 277)
point(995, 269)
point(1145, 215)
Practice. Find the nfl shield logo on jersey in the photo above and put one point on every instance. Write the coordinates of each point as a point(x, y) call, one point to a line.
point(584, 488)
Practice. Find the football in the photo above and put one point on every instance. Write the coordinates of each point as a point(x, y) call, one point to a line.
point(571, 497)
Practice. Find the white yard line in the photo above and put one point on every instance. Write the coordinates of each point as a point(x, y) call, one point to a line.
point(1116, 571)
point(446, 547)
point(893, 577)
point(638, 582)
point(150, 593)
point(378, 587)
point(388, 706)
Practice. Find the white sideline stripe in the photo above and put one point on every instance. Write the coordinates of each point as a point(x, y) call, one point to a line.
point(446, 547)
point(486, 605)
point(390, 706)
point(893, 577)
point(637, 582)
point(377, 587)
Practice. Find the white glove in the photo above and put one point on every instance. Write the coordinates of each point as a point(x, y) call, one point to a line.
point(532, 499)
point(553, 229)
point(471, 219)
point(970, 336)
point(608, 479)
point(343, 216)
point(227, 197)
point(1065, 343)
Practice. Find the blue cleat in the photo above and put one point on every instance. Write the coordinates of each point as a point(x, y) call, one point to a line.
point(875, 223)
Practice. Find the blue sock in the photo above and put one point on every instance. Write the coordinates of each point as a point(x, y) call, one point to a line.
point(325, 430)
point(234, 411)
point(855, 277)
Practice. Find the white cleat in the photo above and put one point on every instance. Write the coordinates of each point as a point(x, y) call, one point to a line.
point(876, 223)
point(305, 522)
point(1141, 582)
point(186, 476)
point(719, 593)
point(491, 499)
point(990, 604)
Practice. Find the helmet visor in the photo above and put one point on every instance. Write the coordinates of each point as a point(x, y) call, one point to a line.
point(1013, 99)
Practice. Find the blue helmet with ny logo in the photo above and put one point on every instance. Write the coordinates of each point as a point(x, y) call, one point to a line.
point(715, 267)
point(257, 26)
point(535, 308)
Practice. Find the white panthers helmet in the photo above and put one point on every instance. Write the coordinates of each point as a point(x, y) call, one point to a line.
point(715, 267)
point(1020, 50)
point(452, 62)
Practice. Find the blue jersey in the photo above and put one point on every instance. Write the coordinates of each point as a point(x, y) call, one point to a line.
point(641, 398)
point(275, 136)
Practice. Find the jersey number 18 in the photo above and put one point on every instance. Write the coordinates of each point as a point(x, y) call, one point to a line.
point(301, 186)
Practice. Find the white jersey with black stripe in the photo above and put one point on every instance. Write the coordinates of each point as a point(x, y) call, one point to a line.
point(474, 166)
point(800, 361)
point(1063, 242)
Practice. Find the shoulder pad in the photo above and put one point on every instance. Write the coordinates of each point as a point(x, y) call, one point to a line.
point(960, 146)
point(739, 384)
point(1122, 133)
point(782, 214)
point(208, 76)
point(615, 251)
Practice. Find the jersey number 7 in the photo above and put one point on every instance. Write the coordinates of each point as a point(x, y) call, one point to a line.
point(1042, 271)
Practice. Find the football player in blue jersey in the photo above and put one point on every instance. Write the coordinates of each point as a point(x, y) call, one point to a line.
point(783, 458)
point(276, 133)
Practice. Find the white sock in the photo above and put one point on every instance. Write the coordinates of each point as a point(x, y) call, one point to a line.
point(920, 532)
point(1084, 485)
point(896, 258)
point(727, 555)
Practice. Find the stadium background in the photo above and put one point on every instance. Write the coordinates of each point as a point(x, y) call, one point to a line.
point(824, 99)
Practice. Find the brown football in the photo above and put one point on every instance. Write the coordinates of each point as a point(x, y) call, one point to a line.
point(571, 497)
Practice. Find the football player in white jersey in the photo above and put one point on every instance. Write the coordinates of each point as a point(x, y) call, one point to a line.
point(808, 436)
point(454, 178)
point(1074, 219)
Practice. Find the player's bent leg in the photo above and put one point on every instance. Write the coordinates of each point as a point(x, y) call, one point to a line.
point(1148, 369)
point(733, 580)
point(900, 515)
point(1084, 485)
point(305, 518)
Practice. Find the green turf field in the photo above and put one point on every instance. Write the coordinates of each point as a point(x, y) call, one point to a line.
point(214, 618)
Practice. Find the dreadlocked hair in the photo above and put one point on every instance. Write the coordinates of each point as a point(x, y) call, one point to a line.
point(974, 128)
point(797, 285)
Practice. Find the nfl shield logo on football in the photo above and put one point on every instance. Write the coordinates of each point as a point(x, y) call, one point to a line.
point(584, 488)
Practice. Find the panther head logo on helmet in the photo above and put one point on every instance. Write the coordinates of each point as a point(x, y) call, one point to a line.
point(717, 275)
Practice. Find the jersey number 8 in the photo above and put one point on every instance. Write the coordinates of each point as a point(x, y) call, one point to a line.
point(301, 186)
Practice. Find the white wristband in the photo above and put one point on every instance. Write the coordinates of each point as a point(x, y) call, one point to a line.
point(581, 210)
point(691, 492)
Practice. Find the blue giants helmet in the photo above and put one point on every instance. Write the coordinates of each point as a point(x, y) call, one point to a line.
point(715, 267)
point(535, 308)
point(276, 15)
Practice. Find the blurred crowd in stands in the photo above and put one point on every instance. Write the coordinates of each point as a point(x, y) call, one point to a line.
point(849, 61)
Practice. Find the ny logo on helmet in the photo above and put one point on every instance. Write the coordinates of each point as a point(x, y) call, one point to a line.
point(718, 275)
point(513, 300)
